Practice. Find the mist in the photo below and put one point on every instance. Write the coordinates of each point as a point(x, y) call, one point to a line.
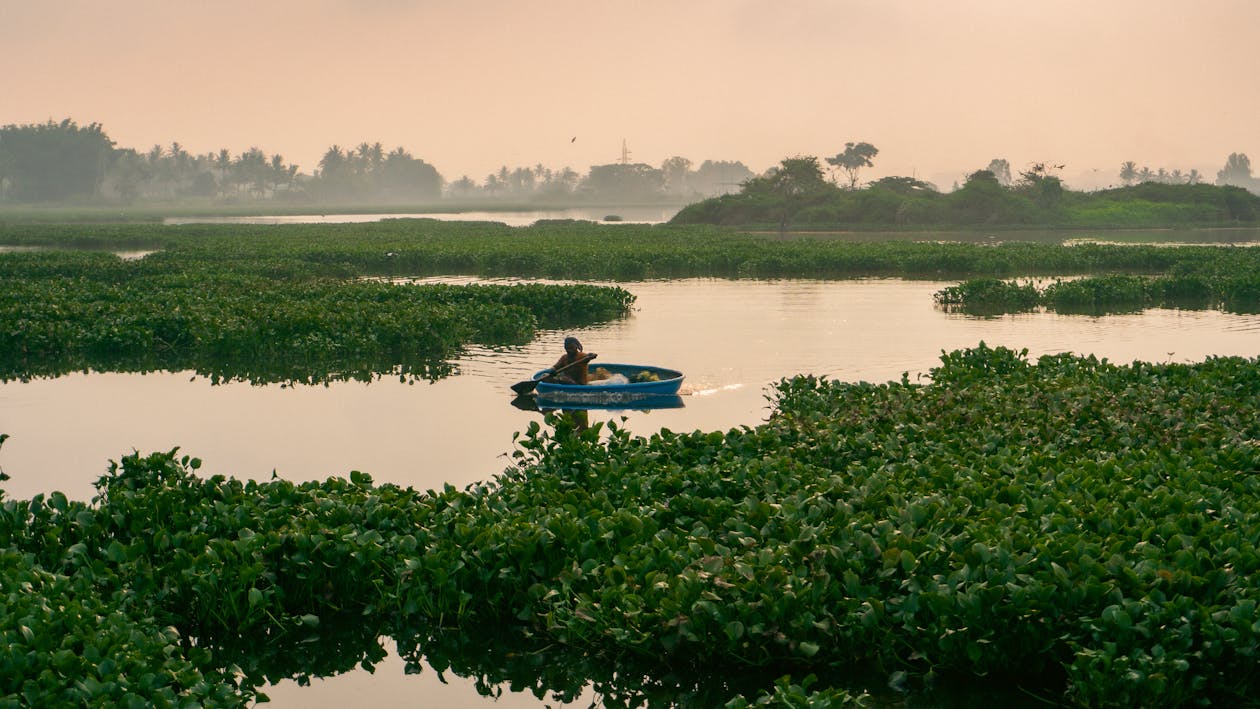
point(471, 87)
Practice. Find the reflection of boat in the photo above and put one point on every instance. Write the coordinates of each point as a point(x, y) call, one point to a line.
point(620, 389)
point(643, 403)
point(534, 402)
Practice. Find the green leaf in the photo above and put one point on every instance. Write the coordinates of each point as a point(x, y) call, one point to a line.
point(116, 552)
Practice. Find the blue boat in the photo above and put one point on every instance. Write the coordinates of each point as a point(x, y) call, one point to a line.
point(650, 402)
point(535, 402)
point(636, 381)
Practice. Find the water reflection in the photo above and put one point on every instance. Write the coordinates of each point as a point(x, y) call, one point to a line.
point(564, 415)
point(535, 402)
point(282, 368)
point(610, 215)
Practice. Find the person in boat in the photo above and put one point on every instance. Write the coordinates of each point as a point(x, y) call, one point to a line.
point(578, 374)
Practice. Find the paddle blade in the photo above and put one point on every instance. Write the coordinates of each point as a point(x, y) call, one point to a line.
point(525, 387)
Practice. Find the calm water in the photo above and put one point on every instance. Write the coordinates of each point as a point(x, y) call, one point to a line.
point(731, 339)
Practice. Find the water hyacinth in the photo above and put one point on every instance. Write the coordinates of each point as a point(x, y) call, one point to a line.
point(229, 326)
point(1106, 294)
point(1082, 530)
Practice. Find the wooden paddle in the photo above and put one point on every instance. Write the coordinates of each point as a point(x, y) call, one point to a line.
point(529, 385)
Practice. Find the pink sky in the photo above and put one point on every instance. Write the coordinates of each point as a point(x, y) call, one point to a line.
point(468, 85)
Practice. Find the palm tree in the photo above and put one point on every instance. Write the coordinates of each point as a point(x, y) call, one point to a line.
point(223, 161)
point(252, 169)
point(1128, 173)
point(279, 175)
point(334, 161)
point(180, 167)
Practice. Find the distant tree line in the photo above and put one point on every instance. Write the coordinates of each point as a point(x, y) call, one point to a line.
point(369, 174)
point(63, 162)
point(1236, 172)
point(673, 181)
point(799, 193)
point(1131, 174)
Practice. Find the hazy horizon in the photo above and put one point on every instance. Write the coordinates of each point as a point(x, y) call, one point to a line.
point(470, 87)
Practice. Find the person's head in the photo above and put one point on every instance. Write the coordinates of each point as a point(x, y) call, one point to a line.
point(571, 345)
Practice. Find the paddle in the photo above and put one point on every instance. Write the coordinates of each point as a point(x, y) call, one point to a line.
point(529, 385)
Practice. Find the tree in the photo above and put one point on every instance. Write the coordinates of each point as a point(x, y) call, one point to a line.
point(182, 172)
point(676, 170)
point(251, 168)
point(560, 183)
point(1237, 171)
point(368, 158)
point(855, 157)
point(788, 186)
point(981, 199)
point(1038, 182)
point(904, 185)
point(53, 161)
point(223, 161)
point(1001, 169)
point(621, 182)
point(1128, 173)
point(715, 177)
point(794, 177)
point(126, 173)
point(521, 181)
point(403, 177)
point(462, 188)
point(493, 185)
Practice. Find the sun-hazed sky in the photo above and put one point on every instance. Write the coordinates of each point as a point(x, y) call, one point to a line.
point(941, 88)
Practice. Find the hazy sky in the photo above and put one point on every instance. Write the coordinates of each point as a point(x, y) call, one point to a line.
point(940, 87)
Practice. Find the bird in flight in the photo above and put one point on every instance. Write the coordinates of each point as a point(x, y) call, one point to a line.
point(574, 139)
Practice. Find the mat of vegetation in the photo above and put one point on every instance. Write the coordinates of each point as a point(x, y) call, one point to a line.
point(296, 303)
point(590, 251)
point(1232, 285)
point(1083, 531)
point(803, 198)
point(66, 311)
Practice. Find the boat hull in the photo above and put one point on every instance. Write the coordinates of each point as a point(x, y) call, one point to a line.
point(668, 385)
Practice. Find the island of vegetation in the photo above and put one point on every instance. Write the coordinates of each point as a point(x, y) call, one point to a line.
point(798, 195)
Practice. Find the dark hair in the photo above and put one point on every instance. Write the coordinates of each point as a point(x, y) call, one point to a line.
point(572, 341)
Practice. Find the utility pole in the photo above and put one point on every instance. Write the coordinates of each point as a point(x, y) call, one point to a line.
point(625, 153)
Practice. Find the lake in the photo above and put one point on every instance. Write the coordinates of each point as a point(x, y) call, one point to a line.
point(732, 339)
